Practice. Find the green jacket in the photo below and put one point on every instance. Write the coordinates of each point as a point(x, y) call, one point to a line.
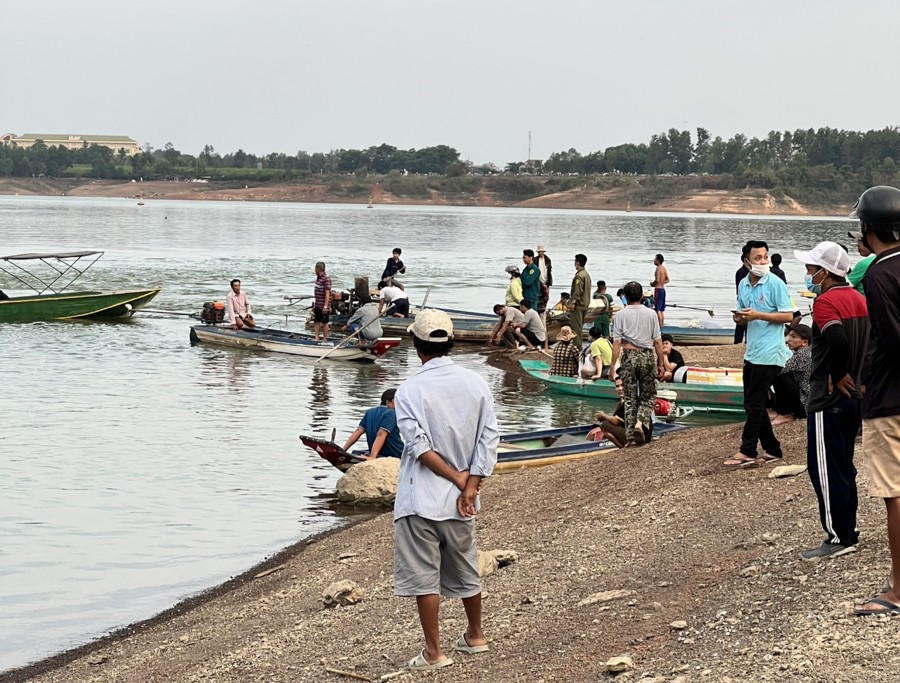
point(580, 293)
point(855, 276)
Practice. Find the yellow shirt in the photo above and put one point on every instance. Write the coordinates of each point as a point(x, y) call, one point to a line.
point(600, 347)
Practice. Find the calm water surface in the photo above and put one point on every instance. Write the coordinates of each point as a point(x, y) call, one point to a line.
point(138, 470)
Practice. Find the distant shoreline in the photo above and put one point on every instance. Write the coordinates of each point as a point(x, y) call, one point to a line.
point(680, 196)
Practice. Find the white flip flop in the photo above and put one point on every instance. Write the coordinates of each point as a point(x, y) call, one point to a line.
point(419, 663)
point(462, 645)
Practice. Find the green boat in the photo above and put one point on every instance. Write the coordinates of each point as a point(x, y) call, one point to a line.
point(50, 282)
point(709, 397)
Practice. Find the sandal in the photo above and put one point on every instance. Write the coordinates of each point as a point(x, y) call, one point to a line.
point(740, 460)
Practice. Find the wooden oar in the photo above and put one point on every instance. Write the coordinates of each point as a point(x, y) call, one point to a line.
point(712, 313)
point(158, 312)
point(355, 334)
point(425, 298)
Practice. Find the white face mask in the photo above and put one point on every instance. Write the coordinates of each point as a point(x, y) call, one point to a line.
point(760, 269)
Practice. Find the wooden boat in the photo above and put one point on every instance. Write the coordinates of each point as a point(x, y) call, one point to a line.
point(294, 343)
point(52, 299)
point(712, 397)
point(699, 336)
point(521, 449)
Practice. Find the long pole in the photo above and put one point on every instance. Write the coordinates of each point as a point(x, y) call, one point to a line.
point(351, 336)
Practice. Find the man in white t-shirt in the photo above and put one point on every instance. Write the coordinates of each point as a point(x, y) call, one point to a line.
point(396, 297)
point(530, 331)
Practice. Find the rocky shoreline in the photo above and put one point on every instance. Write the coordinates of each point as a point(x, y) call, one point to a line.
point(657, 553)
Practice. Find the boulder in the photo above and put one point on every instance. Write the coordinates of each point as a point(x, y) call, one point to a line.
point(504, 557)
point(487, 563)
point(373, 482)
point(342, 593)
point(617, 665)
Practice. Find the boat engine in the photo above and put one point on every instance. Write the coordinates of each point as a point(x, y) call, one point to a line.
point(213, 313)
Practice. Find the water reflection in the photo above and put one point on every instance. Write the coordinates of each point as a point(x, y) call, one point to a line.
point(320, 397)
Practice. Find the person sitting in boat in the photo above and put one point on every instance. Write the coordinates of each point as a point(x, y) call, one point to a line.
point(238, 307)
point(511, 317)
point(563, 302)
point(514, 289)
point(394, 265)
point(394, 297)
point(613, 426)
point(565, 354)
point(365, 321)
point(672, 358)
point(379, 424)
point(791, 386)
point(596, 356)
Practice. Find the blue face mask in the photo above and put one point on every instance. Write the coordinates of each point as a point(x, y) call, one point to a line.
point(808, 281)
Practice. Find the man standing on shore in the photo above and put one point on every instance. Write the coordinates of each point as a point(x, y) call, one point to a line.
point(858, 272)
point(840, 333)
point(446, 418)
point(322, 302)
point(878, 210)
point(579, 298)
point(740, 329)
point(660, 280)
point(764, 306)
point(531, 279)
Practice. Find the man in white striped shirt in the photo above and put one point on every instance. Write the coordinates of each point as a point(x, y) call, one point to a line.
point(445, 414)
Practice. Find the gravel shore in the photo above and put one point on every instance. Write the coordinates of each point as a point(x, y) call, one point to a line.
point(697, 567)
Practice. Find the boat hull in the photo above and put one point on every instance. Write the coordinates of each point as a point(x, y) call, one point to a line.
point(712, 397)
point(292, 343)
point(515, 451)
point(700, 336)
point(75, 305)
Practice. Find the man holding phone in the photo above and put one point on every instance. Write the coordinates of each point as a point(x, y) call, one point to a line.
point(763, 304)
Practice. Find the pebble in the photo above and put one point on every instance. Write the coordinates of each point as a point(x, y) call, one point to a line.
point(679, 625)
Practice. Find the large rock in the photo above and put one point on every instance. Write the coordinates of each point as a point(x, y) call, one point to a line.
point(373, 482)
point(617, 665)
point(342, 593)
point(787, 471)
point(487, 563)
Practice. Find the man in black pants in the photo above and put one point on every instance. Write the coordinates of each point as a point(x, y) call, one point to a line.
point(764, 305)
point(840, 334)
point(740, 329)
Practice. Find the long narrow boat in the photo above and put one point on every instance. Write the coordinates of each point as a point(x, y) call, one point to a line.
point(522, 449)
point(294, 343)
point(699, 336)
point(713, 397)
point(52, 300)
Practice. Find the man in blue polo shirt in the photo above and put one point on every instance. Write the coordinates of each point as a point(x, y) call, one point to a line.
point(764, 306)
point(379, 424)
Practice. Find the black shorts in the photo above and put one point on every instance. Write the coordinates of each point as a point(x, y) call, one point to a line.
point(531, 337)
point(401, 306)
point(319, 316)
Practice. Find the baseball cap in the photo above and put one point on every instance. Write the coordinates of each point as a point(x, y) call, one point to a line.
point(855, 235)
point(801, 330)
point(432, 325)
point(828, 255)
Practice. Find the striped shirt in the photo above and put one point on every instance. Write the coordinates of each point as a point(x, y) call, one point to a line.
point(449, 410)
point(323, 284)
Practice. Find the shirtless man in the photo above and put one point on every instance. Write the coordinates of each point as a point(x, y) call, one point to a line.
point(660, 280)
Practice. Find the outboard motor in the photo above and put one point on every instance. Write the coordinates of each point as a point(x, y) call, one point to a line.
point(213, 313)
point(361, 289)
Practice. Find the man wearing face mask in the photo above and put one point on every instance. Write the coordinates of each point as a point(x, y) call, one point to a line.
point(878, 210)
point(840, 333)
point(764, 306)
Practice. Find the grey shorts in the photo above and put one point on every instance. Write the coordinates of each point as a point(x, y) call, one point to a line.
point(432, 558)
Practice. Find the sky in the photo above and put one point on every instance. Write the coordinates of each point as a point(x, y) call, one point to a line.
point(478, 75)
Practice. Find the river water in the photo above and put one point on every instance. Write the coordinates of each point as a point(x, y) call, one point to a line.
point(138, 470)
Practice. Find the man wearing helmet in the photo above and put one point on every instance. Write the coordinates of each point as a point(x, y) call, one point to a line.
point(878, 210)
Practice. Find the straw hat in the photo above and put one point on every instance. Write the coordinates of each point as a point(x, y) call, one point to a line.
point(565, 334)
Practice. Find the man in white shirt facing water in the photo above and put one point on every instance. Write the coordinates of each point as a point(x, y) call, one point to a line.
point(445, 414)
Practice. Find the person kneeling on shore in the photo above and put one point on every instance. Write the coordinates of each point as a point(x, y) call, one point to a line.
point(446, 418)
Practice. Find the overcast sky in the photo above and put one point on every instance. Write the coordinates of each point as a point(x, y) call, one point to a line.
point(288, 75)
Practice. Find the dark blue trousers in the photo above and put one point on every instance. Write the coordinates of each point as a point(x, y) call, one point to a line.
point(830, 440)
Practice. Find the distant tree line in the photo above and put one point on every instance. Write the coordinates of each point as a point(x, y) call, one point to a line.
point(101, 162)
point(809, 165)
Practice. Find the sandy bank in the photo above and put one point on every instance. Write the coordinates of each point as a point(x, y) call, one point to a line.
point(751, 201)
point(717, 549)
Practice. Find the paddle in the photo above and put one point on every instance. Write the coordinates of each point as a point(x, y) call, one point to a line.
point(158, 312)
point(712, 313)
point(354, 334)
